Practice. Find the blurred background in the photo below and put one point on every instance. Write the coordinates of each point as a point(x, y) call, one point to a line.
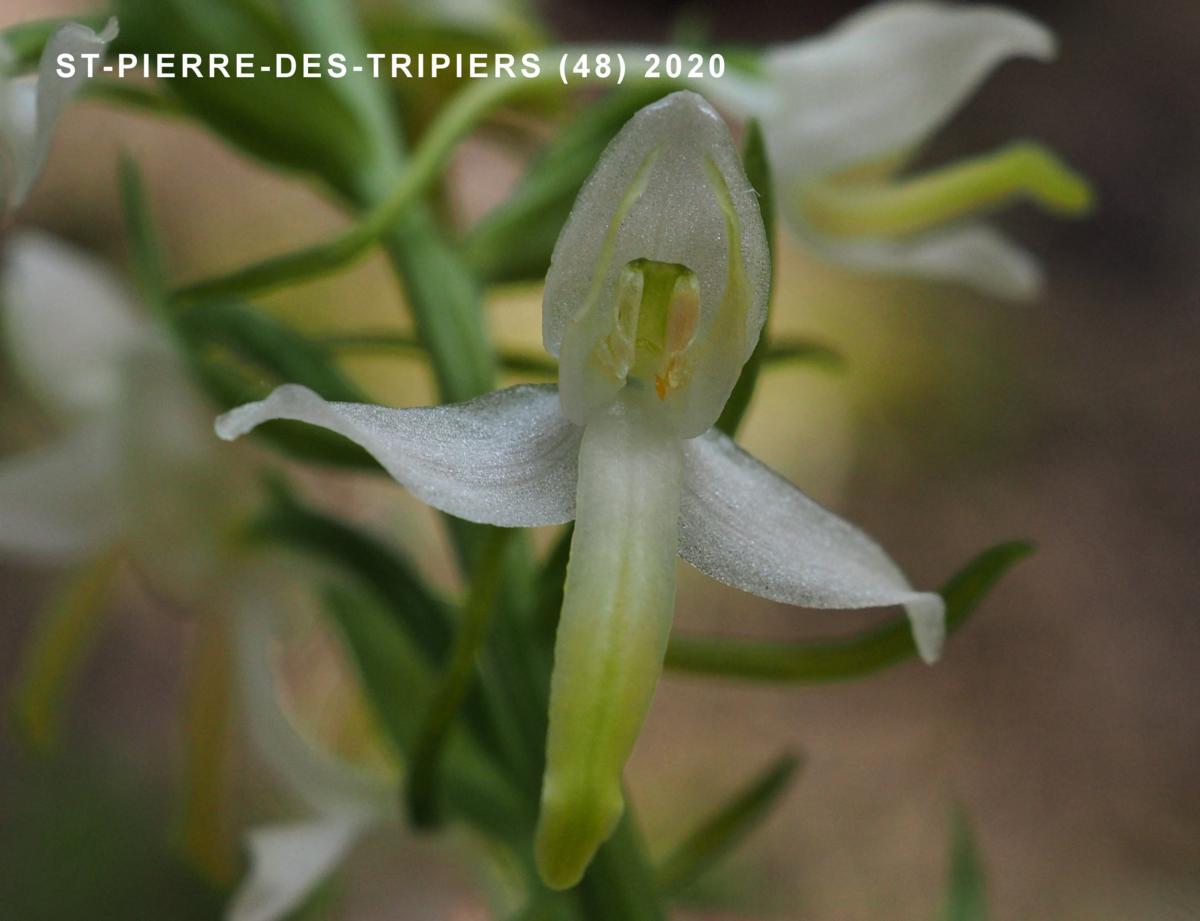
point(1065, 720)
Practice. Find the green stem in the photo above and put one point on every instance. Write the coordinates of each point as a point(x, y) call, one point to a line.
point(456, 681)
point(424, 167)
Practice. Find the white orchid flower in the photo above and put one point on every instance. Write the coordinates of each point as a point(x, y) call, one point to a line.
point(842, 114)
point(133, 465)
point(655, 298)
point(134, 471)
point(344, 799)
point(30, 107)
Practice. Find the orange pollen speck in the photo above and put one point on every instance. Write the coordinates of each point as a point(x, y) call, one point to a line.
point(660, 386)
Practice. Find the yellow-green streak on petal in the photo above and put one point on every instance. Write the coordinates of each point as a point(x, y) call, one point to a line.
point(635, 191)
point(62, 637)
point(842, 207)
point(616, 619)
point(204, 833)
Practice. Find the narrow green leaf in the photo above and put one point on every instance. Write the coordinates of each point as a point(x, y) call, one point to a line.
point(386, 193)
point(297, 124)
point(843, 659)
point(423, 617)
point(447, 306)
point(143, 240)
point(513, 242)
point(263, 344)
point(726, 828)
point(966, 892)
point(290, 268)
point(456, 681)
point(269, 344)
point(396, 681)
point(802, 351)
point(514, 362)
point(398, 686)
point(758, 171)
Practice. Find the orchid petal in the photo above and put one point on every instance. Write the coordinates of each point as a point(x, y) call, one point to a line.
point(507, 458)
point(286, 864)
point(885, 79)
point(29, 111)
point(670, 189)
point(60, 502)
point(971, 254)
point(612, 635)
point(326, 784)
point(68, 321)
point(748, 527)
point(288, 861)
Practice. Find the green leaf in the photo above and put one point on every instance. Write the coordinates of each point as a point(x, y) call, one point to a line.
point(727, 827)
point(294, 123)
point(513, 242)
point(758, 171)
point(456, 681)
point(445, 301)
point(803, 351)
point(398, 687)
point(262, 344)
point(447, 306)
point(423, 617)
point(396, 680)
point(418, 32)
point(143, 240)
point(966, 896)
point(843, 659)
point(387, 194)
point(269, 344)
point(512, 361)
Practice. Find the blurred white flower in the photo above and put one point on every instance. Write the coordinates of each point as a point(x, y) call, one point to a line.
point(30, 107)
point(133, 463)
point(134, 472)
point(655, 299)
point(844, 113)
point(343, 799)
